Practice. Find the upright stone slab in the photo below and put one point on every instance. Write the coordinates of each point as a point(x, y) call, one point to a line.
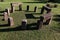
point(8, 11)
point(35, 8)
point(20, 7)
point(27, 7)
point(24, 24)
point(55, 5)
point(47, 17)
point(48, 21)
point(5, 17)
point(12, 8)
point(10, 21)
point(40, 22)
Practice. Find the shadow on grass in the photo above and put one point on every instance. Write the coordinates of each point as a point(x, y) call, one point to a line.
point(28, 11)
point(3, 25)
point(30, 16)
point(19, 28)
point(32, 26)
point(2, 11)
point(56, 15)
point(57, 18)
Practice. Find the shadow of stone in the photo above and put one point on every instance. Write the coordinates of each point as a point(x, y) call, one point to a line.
point(32, 26)
point(2, 11)
point(29, 16)
point(19, 28)
point(3, 25)
point(56, 16)
point(57, 19)
point(1, 15)
point(28, 11)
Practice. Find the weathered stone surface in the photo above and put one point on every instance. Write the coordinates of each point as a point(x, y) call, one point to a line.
point(5, 17)
point(24, 24)
point(10, 21)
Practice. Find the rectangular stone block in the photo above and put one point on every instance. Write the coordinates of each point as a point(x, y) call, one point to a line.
point(12, 9)
point(27, 7)
point(8, 11)
point(24, 24)
point(39, 24)
point(10, 21)
point(20, 7)
point(5, 17)
point(47, 16)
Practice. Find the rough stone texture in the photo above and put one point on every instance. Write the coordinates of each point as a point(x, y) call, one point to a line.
point(24, 24)
point(5, 17)
point(10, 21)
point(8, 11)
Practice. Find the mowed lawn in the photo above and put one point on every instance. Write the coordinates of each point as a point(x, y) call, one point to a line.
point(47, 32)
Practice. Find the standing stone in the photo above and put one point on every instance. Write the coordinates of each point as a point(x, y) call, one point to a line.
point(47, 17)
point(24, 24)
point(8, 11)
point(20, 7)
point(27, 7)
point(10, 21)
point(5, 17)
point(35, 9)
point(55, 5)
point(40, 22)
point(47, 21)
point(12, 8)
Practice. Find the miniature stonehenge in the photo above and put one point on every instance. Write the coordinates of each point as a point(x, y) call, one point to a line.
point(45, 18)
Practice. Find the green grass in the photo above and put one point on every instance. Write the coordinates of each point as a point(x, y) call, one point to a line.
point(18, 0)
point(47, 32)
